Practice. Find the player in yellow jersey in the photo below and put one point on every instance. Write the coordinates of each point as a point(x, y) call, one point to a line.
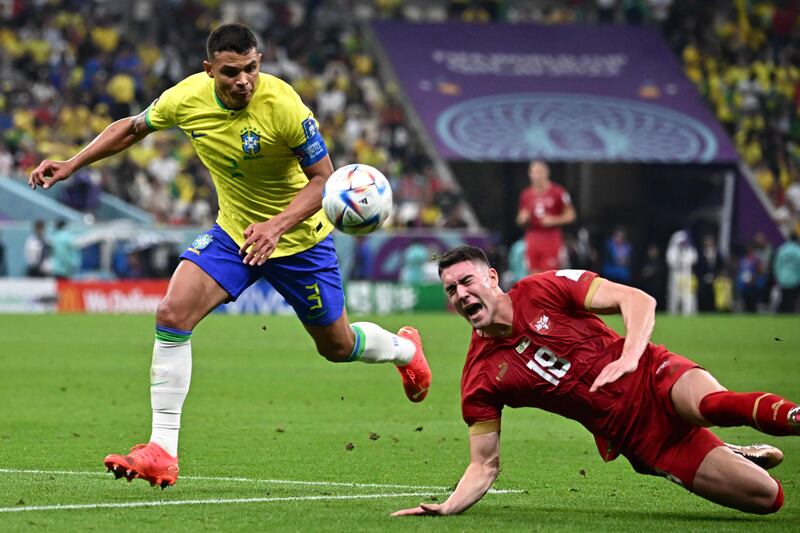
point(269, 164)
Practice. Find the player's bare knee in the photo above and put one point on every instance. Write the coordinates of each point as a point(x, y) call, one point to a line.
point(335, 352)
point(170, 315)
point(767, 498)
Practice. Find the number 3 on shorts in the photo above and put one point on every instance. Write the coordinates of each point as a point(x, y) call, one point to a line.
point(315, 296)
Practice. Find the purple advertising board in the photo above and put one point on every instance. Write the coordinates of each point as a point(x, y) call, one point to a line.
point(507, 92)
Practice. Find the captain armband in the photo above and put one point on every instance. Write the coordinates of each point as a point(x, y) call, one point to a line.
point(593, 286)
point(314, 149)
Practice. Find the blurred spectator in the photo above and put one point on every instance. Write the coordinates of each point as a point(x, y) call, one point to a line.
point(417, 265)
point(709, 263)
point(6, 161)
point(135, 267)
point(653, 276)
point(792, 194)
point(66, 259)
point(763, 250)
point(3, 267)
point(163, 166)
point(517, 264)
point(659, 10)
point(723, 291)
point(543, 208)
point(787, 274)
point(362, 260)
point(580, 252)
point(617, 259)
point(82, 191)
point(750, 279)
point(605, 11)
point(454, 219)
point(634, 11)
point(681, 257)
point(37, 251)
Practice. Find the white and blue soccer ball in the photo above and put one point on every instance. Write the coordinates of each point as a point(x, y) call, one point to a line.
point(357, 199)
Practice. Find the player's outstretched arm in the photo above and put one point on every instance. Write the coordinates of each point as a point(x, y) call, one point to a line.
point(484, 465)
point(638, 311)
point(261, 238)
point(115, 138)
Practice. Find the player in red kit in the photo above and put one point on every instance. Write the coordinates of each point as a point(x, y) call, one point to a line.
point(542, 345)
point(543, 208)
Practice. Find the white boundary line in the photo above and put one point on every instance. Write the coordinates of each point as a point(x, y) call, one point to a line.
point(216, 501)
point(213, 501)
point(237, 479)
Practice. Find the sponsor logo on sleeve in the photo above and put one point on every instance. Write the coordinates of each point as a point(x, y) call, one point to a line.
point(310, 128)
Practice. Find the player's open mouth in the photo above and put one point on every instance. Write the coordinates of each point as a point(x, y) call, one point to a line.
point(472, 309)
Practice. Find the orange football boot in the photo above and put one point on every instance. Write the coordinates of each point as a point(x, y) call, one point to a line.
point(416, 375)
point(146, 461)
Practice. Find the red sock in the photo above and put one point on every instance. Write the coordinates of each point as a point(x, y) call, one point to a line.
point(764, 411)
point(778, 498)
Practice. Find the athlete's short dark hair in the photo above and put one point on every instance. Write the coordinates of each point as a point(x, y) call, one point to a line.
point(230, 38)
point(461, 254)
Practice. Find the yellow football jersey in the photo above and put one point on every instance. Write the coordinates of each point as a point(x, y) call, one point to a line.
point(253, 154)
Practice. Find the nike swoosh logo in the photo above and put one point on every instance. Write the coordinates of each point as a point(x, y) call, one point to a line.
point(316, 315)
point(158, 383)
point(196, 135)
point(420, 393)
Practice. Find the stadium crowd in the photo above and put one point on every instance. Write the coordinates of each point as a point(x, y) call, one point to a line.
point(69, 68)
point(691, 274)
point(744, 62)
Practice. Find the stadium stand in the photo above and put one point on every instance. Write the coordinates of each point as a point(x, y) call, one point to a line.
point(70, 70)
point(70, 67)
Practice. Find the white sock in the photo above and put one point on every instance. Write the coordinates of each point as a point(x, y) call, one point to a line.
point(376, 345)
point(170, 374)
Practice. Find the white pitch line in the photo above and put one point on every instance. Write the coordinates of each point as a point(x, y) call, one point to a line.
point(254, 480)
point(213, 501)
point(237, 479)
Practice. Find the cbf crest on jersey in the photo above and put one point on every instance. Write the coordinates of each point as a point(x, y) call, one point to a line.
point(200, 242)
point(251, 141)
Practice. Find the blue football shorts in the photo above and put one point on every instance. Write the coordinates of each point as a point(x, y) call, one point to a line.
point(309, 281)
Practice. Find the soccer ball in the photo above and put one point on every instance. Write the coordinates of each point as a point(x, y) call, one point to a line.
point(357, 199)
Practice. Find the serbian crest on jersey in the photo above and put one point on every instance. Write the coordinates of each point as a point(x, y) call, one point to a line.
point(251, 141)
point(543, 324)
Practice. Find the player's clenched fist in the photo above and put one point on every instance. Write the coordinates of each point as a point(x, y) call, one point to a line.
point(55, 170)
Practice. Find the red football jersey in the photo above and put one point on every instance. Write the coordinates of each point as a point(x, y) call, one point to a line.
point(555, 352)
point(551, 201)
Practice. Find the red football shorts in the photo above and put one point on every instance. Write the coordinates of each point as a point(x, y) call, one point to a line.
point(544, 249)
point(661, 442)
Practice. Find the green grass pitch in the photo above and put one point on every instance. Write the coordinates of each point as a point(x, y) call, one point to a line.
point(277, 439)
